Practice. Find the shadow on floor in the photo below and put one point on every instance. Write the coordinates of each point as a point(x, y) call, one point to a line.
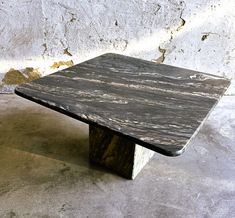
point(45, 133)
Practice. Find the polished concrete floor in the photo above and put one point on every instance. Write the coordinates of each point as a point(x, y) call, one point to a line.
point(45, 172)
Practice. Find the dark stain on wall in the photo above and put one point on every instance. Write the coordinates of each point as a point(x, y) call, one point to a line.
point(205, 36)
point(66, 51)
point(13, 77)
point(162, 57)
point(62, 63)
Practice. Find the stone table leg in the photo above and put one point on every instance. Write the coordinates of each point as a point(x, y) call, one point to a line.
point(117, 153)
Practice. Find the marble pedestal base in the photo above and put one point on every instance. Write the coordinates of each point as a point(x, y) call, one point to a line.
point(117, 153)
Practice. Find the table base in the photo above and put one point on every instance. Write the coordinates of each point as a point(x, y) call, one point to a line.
point(117, 153)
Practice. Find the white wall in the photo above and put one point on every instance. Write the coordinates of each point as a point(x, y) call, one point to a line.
point(35, 33)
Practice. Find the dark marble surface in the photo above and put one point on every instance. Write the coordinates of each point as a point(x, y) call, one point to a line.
point(157, 106)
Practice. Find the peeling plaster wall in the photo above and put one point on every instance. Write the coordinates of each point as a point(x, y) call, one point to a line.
point(193, 34)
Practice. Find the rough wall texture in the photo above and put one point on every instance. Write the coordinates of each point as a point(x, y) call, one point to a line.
point(192, 34)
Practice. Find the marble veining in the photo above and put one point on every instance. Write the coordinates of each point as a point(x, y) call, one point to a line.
point(157, 106)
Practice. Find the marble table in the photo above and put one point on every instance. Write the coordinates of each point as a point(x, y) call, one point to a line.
point(133, 107)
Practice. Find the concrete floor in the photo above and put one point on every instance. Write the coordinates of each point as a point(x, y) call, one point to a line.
point(45, 170)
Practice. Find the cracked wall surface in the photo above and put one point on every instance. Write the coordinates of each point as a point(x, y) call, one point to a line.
point(192, 34)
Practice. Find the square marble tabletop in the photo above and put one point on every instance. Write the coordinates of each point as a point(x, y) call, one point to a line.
point(157, 106)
